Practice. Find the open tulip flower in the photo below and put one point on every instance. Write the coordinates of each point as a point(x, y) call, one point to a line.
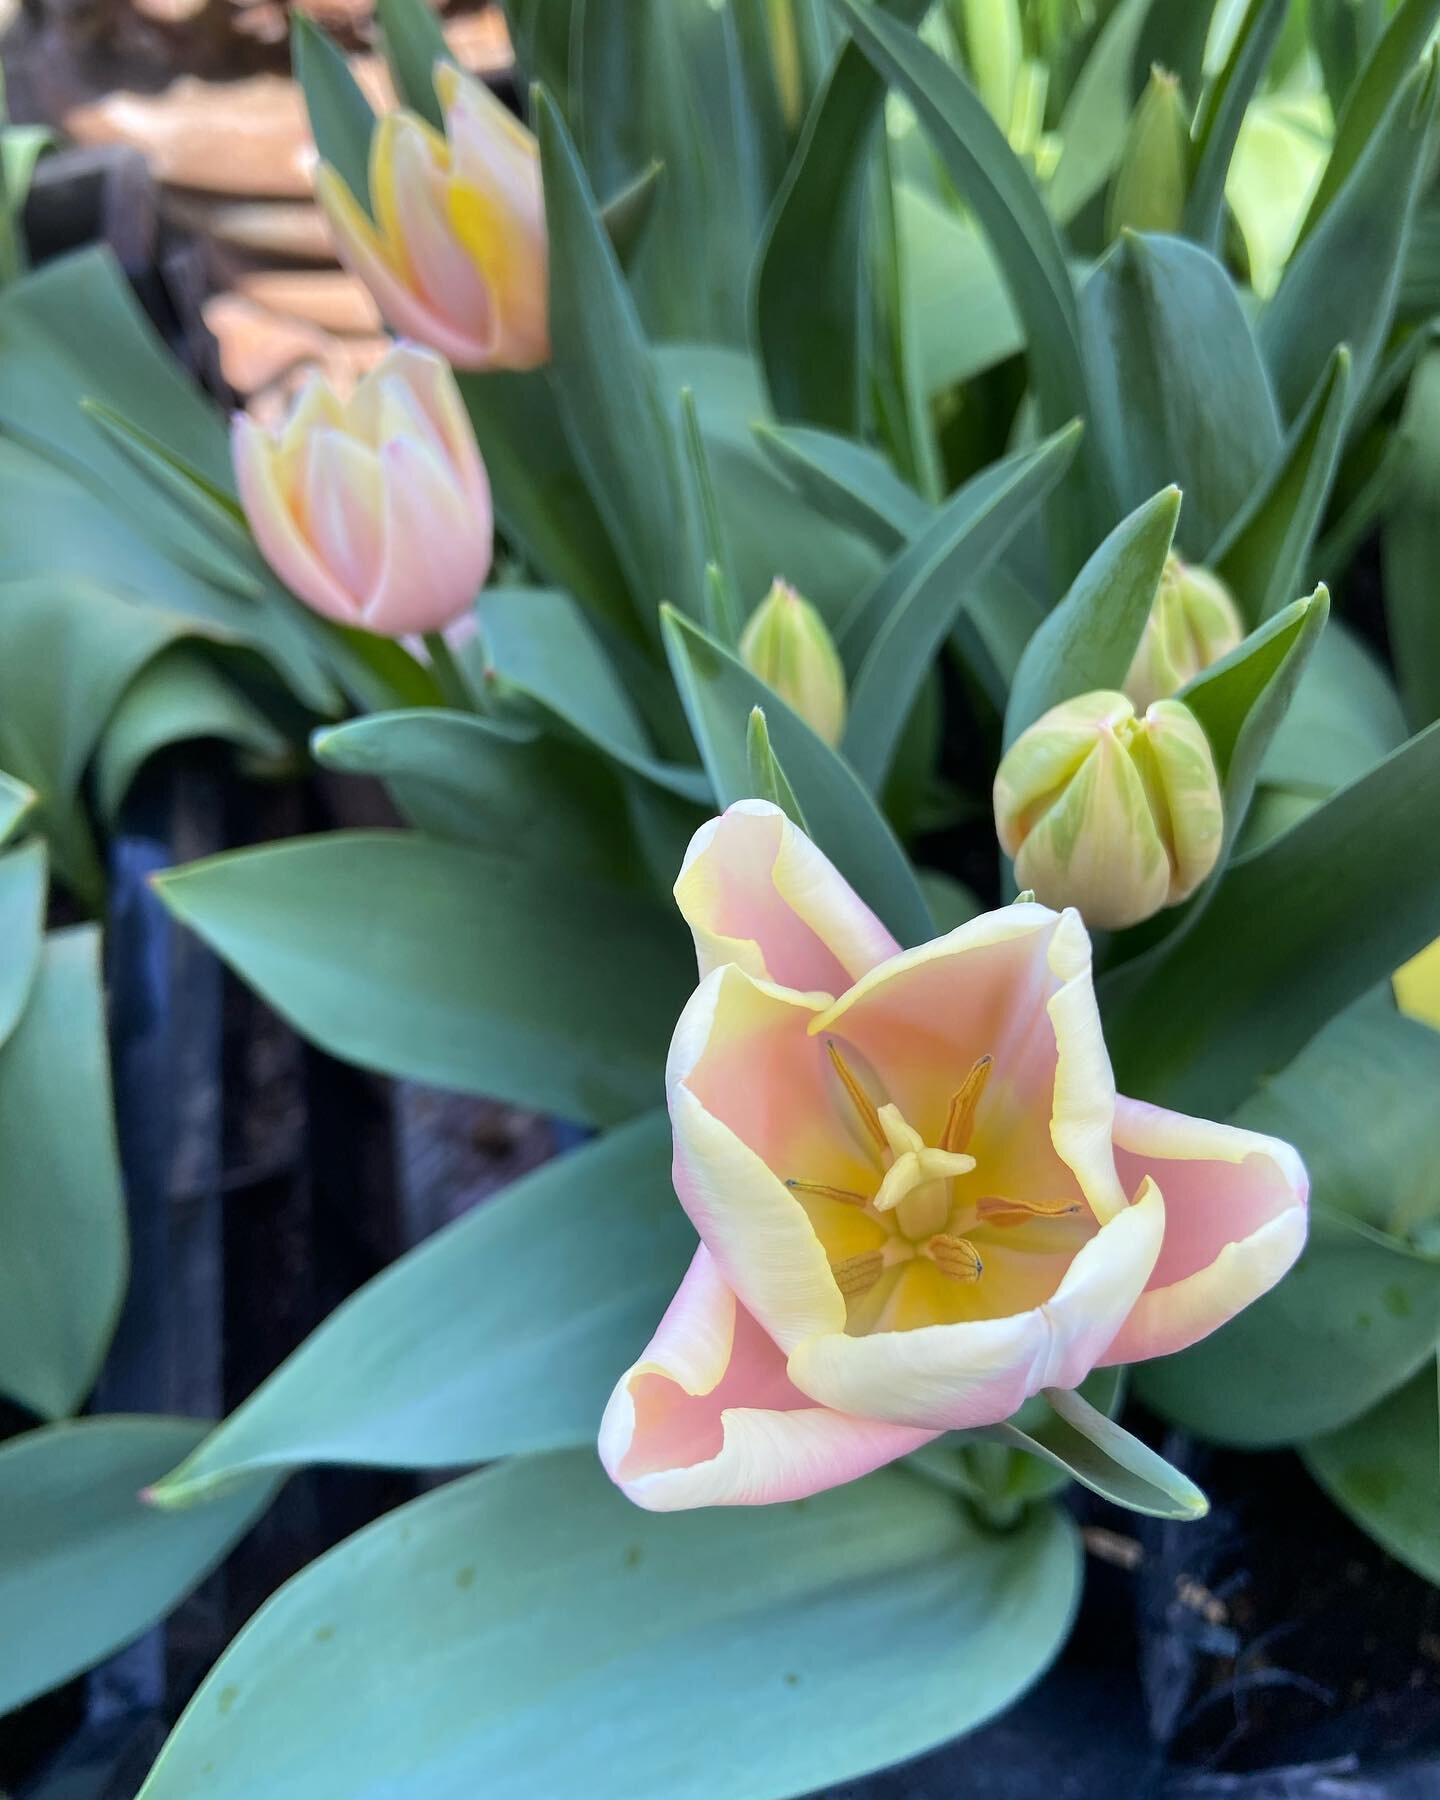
point(920, 1199)
point(456, 256)
point(375, 511)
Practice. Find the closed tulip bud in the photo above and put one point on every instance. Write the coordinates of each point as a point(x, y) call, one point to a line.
point(456, 255)
point(1116, 815)
point(1150, 184)
point(787, 645)
point(1193, 623)
point(375, 511)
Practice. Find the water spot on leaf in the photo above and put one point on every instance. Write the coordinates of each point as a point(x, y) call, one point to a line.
point(792, 1679)
point(633, 1557)
point(324, 1633)
point(229, 1694)
point(1372, 1484)
point(1364, 1321)
point(1397, 1301)
point(465, 1577)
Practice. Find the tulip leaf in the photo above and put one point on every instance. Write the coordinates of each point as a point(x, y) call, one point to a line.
point(608, 391)
point(1344, 717)
point(1100, 1454)
point(1180, 392)
point(17, 801)
point(948, 272)
point(62, 1212)
point(1264, 551)
point(1090, 639)
point(767, 778)
point(1370, 97)
point(809, 293)
point(214, 508)
point(627, 213)
point(724, 614)
point(1384, 1471)
point(24, 877)
point(1097, 113)
point(1411, 544)
point(413, 44)
point(443, 963)
point(503, 1334)
point(720, 693)
point(1222, 113)
point(908, 616)
point(1340, 286)
point(85, 1565)
point(849, 483)
point(765, 1651)
point(1360, 1312)
point(1233, 999)
point(341, 119)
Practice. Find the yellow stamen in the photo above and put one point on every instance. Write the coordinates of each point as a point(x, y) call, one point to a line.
point(844, 1195)
point(856, 1275)
point(999, 1209)
point(863, 1104)
point(964, 1104)
point(956, 1257)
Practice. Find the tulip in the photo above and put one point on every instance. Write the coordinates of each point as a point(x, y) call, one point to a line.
point(919, 1199)
point(1153, 174)
point(456, 256)
point(785, 642)
point(375, 511)
point(1193, 623)
point(1111, 813)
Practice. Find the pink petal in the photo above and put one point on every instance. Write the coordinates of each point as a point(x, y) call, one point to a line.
point(709, 1417)
point(1235, 1208)
point(755, 891)
point(437, 552)
point(281, 541)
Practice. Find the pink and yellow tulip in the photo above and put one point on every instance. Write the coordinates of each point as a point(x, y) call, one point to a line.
point(375, 511)
point(919, 1198)
point(456, 255)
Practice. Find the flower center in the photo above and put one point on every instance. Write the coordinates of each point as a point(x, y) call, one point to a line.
point(922, 1201)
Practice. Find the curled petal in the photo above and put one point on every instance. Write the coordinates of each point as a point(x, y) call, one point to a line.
point(756, 892)
point(282, 544)
point(958, 1377)
point(1235, 1205)
point(709, 1417)
point(437, 554)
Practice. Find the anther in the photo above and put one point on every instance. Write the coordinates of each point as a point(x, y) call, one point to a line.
point(964, 1104)
point(863, 1104)
point(999, 1209)
point(956, 1257)
point(856, 1275)
point(845, 1196)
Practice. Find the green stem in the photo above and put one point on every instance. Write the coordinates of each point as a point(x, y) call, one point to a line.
point(449, 678)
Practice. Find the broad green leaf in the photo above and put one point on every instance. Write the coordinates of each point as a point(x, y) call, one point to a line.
point(178, 697)
point(62, 1212)
point(503, 1334)
point(23, 885)
point(767, 778)
point(1411, 547)
point(17, 802)
point(413, 43)
point(1179, 391)
point(1343, 719)
point(958, 311)
point(608, 391)
point(720, 693)
point(724, 612)
point(214, 508)
point(1340, 285)
point(809, 293)
point(340, 117)
point(1105, 1458)
point(1089, 640)
point(849, 483)
point(1263, 553)
point(85, 1565)
point(1355, 887)
point(1097, 114)
point(1361, 1310)
point(1222, 112)
point(1374, 92)
point(476, 1641)
point(915, 606)
point(1384, 1471)
point(452, 965)
point(626, 215)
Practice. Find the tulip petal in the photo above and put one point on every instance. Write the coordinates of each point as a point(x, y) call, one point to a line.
point(1235, 1205)
point(436, 555)
point(709, 1417)
point(756, 892)
point(958, 1377)
point(281, 541)
point(422, 385)
point(341, 508)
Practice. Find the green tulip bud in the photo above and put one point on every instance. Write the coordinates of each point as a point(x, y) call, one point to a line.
point(787, 645)
point(1147, 192)
point(1193, 622)
point(1116, 815)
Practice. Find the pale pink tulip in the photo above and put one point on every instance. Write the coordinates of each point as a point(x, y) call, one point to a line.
point(919, 1198)
point(376, 510)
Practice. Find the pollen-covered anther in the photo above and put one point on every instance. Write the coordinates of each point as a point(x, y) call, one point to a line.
point(1000, 1209)
point(964, 1104)
point(956, 1257)
point(823, 1190)
point(856, 1275)
point(859, 1099)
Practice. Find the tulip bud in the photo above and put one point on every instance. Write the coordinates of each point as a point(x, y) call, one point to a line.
point(457, 255)
point(1114, 814)
point(1150, 184)
point(788, 646)
point(1193, 623)
point(375, 511)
